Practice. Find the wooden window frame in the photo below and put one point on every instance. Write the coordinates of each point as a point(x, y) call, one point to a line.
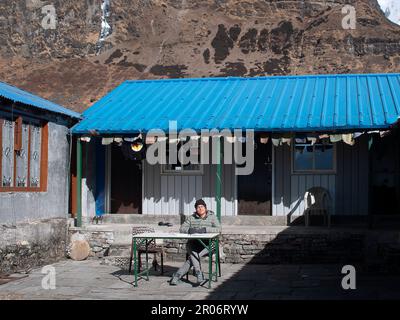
point(43, 157)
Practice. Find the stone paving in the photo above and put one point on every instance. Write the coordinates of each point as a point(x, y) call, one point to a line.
point(92, 280)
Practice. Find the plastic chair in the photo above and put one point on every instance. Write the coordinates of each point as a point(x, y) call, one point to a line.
point(151, 248)
point(318, 201)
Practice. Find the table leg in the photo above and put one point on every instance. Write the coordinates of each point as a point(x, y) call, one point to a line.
point(147, 259)
point(135, 264)
point(216, 259)
point(210, 275)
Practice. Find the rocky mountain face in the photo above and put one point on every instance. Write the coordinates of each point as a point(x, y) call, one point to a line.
point(94, 45)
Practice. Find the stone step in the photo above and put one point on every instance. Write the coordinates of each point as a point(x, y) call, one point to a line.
point(123, 232)
point(178, 219)
point(141, 219)
point(240, 220)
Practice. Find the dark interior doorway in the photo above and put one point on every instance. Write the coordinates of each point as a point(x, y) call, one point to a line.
point(385, 174)
point(255, 190)
point(126, 183)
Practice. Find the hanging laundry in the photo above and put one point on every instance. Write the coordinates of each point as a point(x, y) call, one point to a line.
point(231, 139)
point(300, 138)
point(132, 139)
point(312, 140)
point(194, 138)
point(150, 139)
point(118, 140)
point(335, 138)
point(264, 140)
point(107, 141)
point(384, 133)
point(324, 136)
point(324, 141)
point(348, 138)
point(370, 141)
point(276, 141)
point(86, 139)
point(93, 132)
point(173, 140)
point(287, 138)
point(358, 134)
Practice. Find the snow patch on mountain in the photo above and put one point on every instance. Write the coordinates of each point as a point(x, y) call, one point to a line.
point(391, 8)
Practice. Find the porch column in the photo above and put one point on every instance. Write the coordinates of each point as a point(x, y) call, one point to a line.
point(218, 178)
point(79, 181)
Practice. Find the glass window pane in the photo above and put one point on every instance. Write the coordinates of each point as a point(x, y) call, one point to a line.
point(22, 159)
point(192, 167)
point(191, 154)
point(303, 157)
point(324, 157)
point(7, 163)
point(35, 156)
point(172, 167)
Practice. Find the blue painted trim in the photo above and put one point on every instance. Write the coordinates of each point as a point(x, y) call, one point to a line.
point(100, 177)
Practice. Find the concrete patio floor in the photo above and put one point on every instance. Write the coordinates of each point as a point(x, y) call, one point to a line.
point(92, 280)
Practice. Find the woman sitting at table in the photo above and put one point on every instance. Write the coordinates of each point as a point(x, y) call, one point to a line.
point(201, 221)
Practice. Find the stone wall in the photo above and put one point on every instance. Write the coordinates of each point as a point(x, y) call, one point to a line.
point(282, 248)
point(375, 250)
point(99, 240)
point(294, 248)
point(24, 246)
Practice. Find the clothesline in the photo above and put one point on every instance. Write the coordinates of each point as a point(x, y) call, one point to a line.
point(324, 138)
point(277, 139)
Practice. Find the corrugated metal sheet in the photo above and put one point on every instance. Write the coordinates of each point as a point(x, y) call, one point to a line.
point(289, 103)
point(348, 186)
point(17, 95)
point(176, 194)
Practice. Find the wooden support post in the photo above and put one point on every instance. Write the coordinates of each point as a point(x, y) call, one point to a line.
point(218, 178)
point(79, 182)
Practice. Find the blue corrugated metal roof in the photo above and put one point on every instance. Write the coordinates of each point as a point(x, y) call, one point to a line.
point(17, 95)
point(281, 103)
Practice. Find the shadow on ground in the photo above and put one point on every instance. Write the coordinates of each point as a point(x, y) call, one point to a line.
point(306, 263)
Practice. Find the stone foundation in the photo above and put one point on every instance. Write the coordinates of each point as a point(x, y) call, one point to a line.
point(99, 240)
point(282, 248)
point(32, 244)
point(376, 250)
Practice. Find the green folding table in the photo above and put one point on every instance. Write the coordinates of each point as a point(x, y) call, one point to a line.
point(144, 239)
